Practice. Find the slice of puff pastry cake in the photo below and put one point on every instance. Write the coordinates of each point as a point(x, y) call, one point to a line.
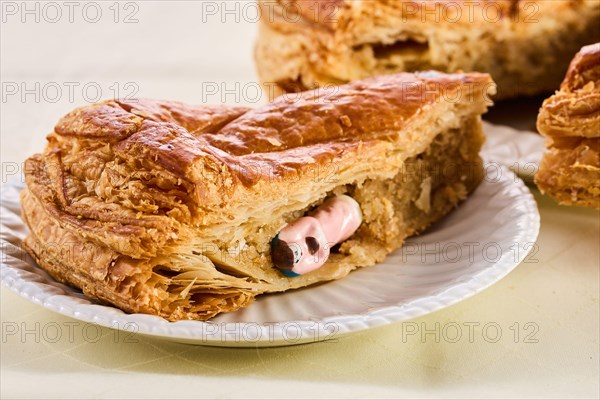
point(169, 209)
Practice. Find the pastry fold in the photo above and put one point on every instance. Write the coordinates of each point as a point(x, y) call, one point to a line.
point(570, 119)
point(525, 45)
point(165, 208)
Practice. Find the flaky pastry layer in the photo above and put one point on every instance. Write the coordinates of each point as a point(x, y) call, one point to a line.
point(570, 119)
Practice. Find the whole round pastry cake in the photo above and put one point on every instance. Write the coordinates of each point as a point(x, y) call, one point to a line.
point(169, 209)
point(525, 45)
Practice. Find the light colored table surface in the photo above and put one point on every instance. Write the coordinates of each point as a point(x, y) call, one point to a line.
point(547, 310)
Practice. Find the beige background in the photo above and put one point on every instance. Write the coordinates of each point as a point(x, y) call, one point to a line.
point(177, 50)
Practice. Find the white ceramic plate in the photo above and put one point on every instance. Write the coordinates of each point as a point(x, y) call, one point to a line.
point(521, 151)
point(475, 246)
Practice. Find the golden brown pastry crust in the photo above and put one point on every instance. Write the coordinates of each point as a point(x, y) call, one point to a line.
point(570, 119)
point(525, 45)
point(165, 208)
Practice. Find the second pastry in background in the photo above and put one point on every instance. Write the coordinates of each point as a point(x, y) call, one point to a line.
point(525, 45)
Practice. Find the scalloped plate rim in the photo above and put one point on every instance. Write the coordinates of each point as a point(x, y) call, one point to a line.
point(179, 331)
